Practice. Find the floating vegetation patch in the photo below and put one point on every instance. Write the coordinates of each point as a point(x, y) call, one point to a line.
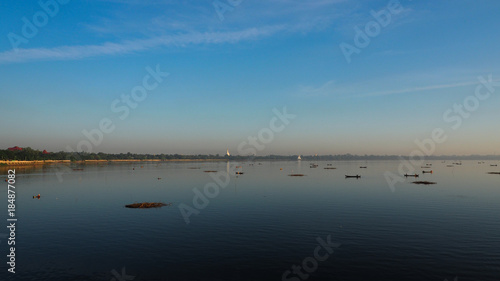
point(424, 182)
point(147, 205)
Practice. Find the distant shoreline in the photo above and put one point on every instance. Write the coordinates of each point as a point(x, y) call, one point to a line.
point(14, 163)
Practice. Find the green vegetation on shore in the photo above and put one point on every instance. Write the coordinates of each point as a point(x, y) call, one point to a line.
point(29, 154)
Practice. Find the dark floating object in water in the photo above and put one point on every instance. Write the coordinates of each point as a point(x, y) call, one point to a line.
point(415, 175)
point(424, 182)
point(36, 196)
point(330, 168)
point(159, 178)
point(494, 165)
point(77, 169)
point(494, 173)
point(146, 205)
point(210, 171)
point(296, 175)
point(349, 177)
point(314, 166)
point(449, 166)
point(363, 167)
point(193, 168)
point(329, 164)
point(427, 172)
point(239, 173)
point(428, 164)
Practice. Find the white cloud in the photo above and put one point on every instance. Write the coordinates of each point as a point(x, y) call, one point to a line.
point(131, 46)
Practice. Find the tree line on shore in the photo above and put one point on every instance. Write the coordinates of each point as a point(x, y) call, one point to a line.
point(29, 154)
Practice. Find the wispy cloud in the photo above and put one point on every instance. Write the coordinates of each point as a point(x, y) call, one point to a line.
point(331, 88)
point(311, 91)
point(418, 89)
point(131, 46)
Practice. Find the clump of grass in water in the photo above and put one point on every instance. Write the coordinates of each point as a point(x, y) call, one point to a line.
point(147, 205)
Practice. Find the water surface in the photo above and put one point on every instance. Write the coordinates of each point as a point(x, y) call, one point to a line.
point(259, 226)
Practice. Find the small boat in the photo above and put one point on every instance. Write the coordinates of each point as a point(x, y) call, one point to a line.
point(362, 167)
point(494, 165)
point(415, 175)
point(37, 196)
point(299, 158)
point(239, 173)
point(427, 172)
point(349, 177)
point(314, 166)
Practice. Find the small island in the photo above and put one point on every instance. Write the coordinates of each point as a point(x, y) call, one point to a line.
point(146, 205)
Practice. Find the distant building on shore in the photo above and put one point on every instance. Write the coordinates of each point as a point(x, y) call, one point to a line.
point(15, 148)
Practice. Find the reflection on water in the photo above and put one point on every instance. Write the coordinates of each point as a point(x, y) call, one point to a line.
point(259, 226)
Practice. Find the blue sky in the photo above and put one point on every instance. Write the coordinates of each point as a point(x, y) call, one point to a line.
point(226, 76)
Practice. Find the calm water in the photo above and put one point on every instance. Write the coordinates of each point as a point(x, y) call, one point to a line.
point(259, 226)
